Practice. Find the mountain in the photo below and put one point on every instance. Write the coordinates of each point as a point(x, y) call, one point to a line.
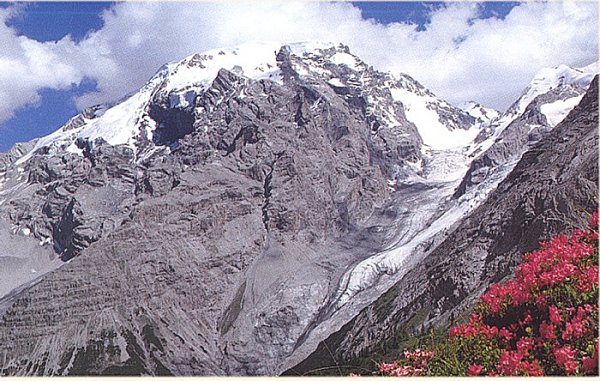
point(548, 191)
point(481, 113)
point(549, 97)
point(230, 215)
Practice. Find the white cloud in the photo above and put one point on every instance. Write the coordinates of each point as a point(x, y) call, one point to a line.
point(27, 66)
point(459, 56)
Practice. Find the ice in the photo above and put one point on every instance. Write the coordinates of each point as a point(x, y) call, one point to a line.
point(447, 165)
point(336, 82)
point(398, 258)
point(349, 60)
point(119, 124)
point(448, 157)
point(256, 61)
point(401, 256)
point(434, 134)
point(57, 136)
point(182, 100)
point(305, 47)
point(555, 112)
point(549, 78)
point(477, 111)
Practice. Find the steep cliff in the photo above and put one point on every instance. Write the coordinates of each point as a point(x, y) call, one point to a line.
point(551, 189)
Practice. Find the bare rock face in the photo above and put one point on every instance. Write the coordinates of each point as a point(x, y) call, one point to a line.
point(214, 252)
point(221, 220)
point(71, 200)
point(522, 132)
point(550, 190)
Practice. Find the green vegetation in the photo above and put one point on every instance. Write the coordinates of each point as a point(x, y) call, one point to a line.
point(544, 322)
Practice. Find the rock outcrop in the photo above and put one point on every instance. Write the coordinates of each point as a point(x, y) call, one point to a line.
point(552, 189)
point(235, 211)
point(214, 257)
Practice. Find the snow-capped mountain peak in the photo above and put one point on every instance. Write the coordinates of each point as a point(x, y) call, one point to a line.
point(551, 78)
point(555, 91)
point(181, 82)
point(441, 125)
point(481, 113)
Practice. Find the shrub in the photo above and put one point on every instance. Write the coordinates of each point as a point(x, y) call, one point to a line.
point(544, 322)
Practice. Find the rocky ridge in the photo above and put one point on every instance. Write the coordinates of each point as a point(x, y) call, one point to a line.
point(550, 189)
point(228, 216)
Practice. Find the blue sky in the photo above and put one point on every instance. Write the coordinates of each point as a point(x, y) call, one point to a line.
point(93, 64)
point(50, 21)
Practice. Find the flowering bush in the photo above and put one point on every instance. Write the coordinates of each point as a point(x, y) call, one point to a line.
point(544, 322)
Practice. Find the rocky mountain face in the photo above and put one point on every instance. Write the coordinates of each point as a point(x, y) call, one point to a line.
point(481, 113)
point(550, 190)
point(544, 103)
point(237, 210)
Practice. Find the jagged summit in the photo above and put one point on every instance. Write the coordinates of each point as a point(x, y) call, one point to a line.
point(241, 206)
point(481, 113)
point(549, 79)
point(177, 84)
point(545, 102)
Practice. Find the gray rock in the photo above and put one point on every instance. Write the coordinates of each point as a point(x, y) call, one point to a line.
point(552, 189)
point(217, 243)
point(215, 258)
point(525, 130)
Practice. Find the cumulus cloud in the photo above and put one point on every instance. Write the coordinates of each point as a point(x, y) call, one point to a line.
point(27, 66)
point(459, 55)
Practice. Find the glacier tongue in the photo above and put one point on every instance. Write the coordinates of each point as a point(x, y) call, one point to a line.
point(447, 157)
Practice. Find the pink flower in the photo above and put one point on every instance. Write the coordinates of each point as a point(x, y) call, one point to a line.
point(576, 327)
point(354, 375)
point(540, 301)
point(387, 367)
point(527, 319)
point(590, 365)
point(402, 371)
point(505, 334)
point(474, 370)
point(564, 355)
point(509, 362)
point(532, 368)
point(570, 367)
point(555, 316)
point(524, 346)
point(547, 331)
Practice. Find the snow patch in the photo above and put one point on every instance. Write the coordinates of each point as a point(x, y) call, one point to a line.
point(196, 73)
point(555, 112)
point(479, 112)
point(432, 131)
point(119, 124)
point(336, 82)
point(301, 48)
point(549, 78)
point(349, 60)
point(183, 99)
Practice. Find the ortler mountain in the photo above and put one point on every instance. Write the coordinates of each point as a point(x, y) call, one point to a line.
point(250, 207)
